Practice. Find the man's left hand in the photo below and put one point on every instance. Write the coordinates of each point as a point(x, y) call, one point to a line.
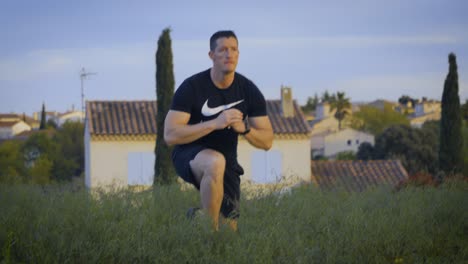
point(238, 126)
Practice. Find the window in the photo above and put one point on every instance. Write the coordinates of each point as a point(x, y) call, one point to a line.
point(266, 166)
point(357, 141)
point(140, 168)
point(349, 142)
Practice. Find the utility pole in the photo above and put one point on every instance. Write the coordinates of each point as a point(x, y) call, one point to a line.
point(83, 75)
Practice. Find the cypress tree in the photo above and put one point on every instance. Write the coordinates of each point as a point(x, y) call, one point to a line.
point(164, 172)
point(451, 141)
point(43, 118)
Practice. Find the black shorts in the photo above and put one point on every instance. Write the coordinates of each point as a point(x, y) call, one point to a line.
point(181, 158)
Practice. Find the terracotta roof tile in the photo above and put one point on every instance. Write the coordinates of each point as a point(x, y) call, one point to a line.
point(139, 117)
point(121, 117)
point(286, 125)
point(8, 123)
point(357, 175)
point(7, 116)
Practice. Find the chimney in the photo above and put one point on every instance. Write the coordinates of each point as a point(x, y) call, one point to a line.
point(322, 110)
point(287, 102)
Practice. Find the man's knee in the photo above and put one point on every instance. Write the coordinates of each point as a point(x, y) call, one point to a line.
point(216, 163)
point(210, 163)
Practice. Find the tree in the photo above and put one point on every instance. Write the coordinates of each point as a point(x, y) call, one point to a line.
point(37, 145)
point(374, 120)
point(414, 147)
point(326, 97)
point(365, 151)
point(12, 168)
point(464, 109)
point(163, 170)
point(311, 104)
point(342, 106)
point(451, 140)
point(346, 155)
point(465, 147)
point(40, 172)
point(404, 99)
point(51, 124)
point(43, 124)
point(40, 153)
point(69, 160)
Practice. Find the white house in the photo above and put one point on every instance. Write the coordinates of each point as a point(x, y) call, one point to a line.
point(34, 124)
point(50, 115)
point(328, 144)
point(9, 129)
point(120, 140)
point(73, 116)
point(425, 111)
point(289, 156)
point(61, 118)
point(324, 121)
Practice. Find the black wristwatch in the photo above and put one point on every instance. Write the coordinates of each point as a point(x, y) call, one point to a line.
point(247, 127)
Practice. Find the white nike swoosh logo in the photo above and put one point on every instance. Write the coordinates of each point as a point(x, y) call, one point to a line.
point(208, 111)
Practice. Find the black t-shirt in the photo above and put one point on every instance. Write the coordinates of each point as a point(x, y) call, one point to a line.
point(199, 97)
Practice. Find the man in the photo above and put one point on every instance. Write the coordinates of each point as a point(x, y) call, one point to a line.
point(209, 111)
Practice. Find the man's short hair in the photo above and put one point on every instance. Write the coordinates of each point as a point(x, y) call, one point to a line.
point(221, 34)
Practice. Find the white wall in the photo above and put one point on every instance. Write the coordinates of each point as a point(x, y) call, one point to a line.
point(73, 117)
point(6, 132)
point(140, 168)
point(109, 161)
point(317, 142)
point(323, 111)
point(317, 145)
point(20, 127)
point(327, 124)
point(295, 158)
point(106, 162)
point(87, 152)
point(423, 108)
point(346, 140)
point(266, 166)
point(420, 120)
point(9, 132)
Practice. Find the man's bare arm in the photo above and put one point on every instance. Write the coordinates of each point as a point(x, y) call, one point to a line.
point(177, 130)
point(261, 132)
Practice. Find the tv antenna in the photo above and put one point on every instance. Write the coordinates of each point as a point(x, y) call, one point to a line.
point(83, 75)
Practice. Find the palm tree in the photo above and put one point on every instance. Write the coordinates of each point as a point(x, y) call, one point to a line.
point(342, 106)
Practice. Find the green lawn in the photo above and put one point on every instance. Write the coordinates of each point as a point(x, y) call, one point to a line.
point(57, 225)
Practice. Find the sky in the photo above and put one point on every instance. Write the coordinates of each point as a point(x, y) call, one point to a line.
point(369, 49)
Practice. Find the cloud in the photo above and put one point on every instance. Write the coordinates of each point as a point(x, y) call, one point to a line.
point(357, 41)
point(186, 52)
point(50, 63)
point(46, 63)
point(32, 65)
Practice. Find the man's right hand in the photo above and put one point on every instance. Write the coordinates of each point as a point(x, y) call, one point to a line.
point(177, 131)
point(228, 117)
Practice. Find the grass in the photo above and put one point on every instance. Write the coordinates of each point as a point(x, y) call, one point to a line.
point(56, 224)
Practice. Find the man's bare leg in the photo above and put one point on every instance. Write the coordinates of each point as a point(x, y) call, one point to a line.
point(232, 223)
point(208, 168)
